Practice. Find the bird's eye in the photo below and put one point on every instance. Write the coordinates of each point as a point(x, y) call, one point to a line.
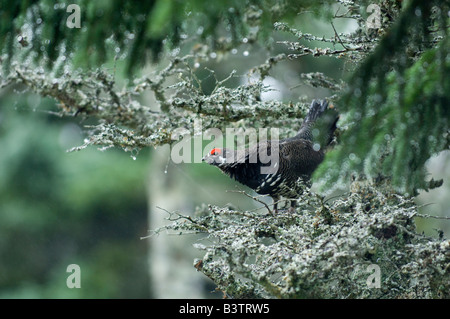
point(215, 151)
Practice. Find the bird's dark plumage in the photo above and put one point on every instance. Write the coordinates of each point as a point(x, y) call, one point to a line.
point(297, 158)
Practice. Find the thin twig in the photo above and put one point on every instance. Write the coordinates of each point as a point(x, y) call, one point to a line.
point(431, 216)
point(252, 197)
point(337, 35)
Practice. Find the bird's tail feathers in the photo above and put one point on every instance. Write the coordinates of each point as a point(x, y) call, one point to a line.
point(315, 110)
point(327, 124)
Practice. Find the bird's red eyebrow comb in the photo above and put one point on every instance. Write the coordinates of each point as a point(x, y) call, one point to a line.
point(214, 150)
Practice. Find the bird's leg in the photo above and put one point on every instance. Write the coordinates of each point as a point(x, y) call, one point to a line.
point(292, 208)
point(275, 205)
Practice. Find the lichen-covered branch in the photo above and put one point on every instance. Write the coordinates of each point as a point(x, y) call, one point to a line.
point(123, 121)
point(327, 249)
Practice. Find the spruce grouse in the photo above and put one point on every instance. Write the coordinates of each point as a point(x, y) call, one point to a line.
point(297, 158)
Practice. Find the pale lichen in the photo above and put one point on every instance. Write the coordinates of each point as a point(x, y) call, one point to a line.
point(326, 249)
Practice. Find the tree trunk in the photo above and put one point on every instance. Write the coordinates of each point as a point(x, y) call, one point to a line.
point(172, 274)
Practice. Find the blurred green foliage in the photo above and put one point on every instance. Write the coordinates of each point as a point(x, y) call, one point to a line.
point(56, 208)
point(396, 108)
point(134, 29)
point(403, 134)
